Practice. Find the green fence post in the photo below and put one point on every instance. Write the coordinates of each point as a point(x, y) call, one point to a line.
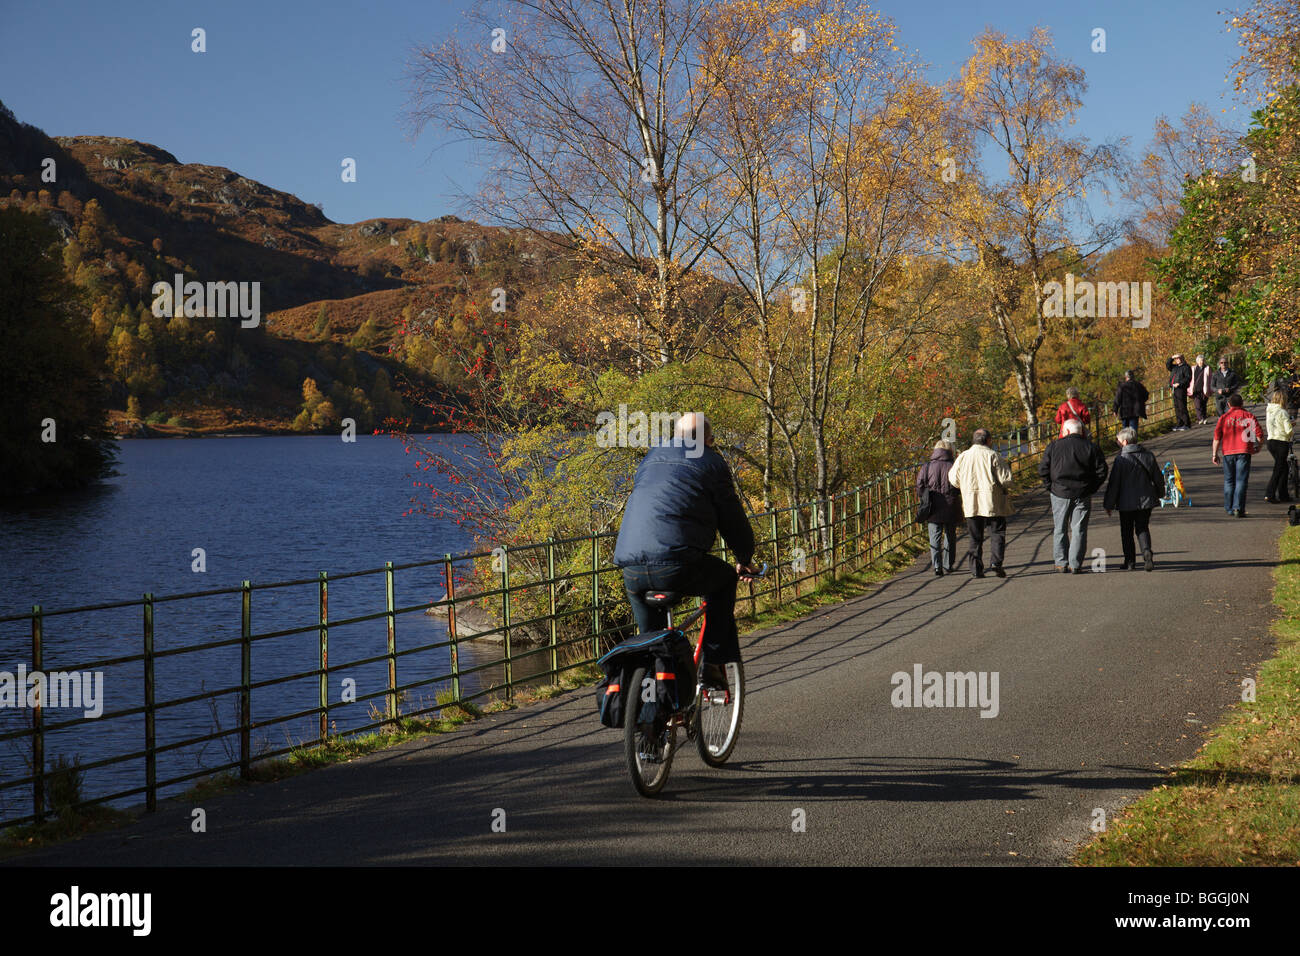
point(857, 510)
point(550, 588)
point(150, 743)
point(451, 629)
point(595, 601)
point(776, 554)
point(38, 720)
point(794, 536)
point(816, 535)
point(324, 631)
point(245, 676)
point(505, 616)
point(392, 642)
point(889, 513)
point(830, 527)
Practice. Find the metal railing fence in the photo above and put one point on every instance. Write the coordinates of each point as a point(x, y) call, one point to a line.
point(560, 593)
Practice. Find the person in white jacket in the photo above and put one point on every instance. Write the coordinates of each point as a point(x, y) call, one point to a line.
point(982, 477)
point(1279, 446)
point(1199, 388)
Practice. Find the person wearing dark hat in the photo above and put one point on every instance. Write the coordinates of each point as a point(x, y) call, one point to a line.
point(1180, 377)
point(1131, 401)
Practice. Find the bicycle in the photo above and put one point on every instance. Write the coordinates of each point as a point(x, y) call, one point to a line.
point(712, 718)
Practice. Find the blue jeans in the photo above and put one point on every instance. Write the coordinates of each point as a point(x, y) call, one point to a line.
point(1070, 530)
point(943, 545)
point(1131, 423)
point(1236, 472)
point(711, 578)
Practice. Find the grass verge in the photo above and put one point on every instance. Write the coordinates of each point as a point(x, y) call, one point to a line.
point(1237, 802)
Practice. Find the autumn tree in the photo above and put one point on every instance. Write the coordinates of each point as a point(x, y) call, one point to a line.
point(589, 115)
point(1268, 32)
point(1176, 153)
point(826, 136)
point(1233, 258)
point(52, 435)
point(1015, 233)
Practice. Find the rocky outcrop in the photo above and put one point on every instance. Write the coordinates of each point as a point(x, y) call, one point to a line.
point(472, 621)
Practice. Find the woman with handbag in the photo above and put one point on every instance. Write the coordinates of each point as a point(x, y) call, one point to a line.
point(1136, 486)
point(939, 507)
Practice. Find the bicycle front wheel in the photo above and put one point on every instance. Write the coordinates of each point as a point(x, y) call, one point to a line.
point(718, 717)
point(649, 750)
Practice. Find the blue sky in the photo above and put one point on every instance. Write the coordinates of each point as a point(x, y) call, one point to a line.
point(287, 89)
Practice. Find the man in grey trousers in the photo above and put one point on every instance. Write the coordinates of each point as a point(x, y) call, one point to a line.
point(1072, 469)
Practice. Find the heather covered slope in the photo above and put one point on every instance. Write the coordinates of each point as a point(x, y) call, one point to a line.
point(332, 295)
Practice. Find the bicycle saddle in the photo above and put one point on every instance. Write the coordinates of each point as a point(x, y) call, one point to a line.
point(663, 598)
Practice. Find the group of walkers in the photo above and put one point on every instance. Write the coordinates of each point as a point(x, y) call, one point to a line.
point(1199, 382)
point(975, 485)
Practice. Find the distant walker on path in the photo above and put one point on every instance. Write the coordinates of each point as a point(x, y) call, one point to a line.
point(1072, 408)
point(1200, 388)
point(1236, 437)
point(1072, 469)
point(1131, 401)
point(945, 507)
point(1136, 485)
point(1180, 380)
point(1280, 433)
point(982, 477)
point(1224, 383)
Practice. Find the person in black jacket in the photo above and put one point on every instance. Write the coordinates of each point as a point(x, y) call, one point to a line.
point(1131, 401)
point(1135, 487)
point(681, 498)
point(1224, 382)
point(1072, 469)
point(945, 507)
point(1180, 377)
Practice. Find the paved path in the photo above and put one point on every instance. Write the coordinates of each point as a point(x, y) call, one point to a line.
point(1103, 681)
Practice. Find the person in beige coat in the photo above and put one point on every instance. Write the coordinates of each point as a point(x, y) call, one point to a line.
point(982, 477)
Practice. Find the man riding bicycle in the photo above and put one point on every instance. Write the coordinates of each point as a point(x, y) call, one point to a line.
point(682, 496)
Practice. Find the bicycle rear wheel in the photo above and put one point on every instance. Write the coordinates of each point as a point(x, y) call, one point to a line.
point(718, 717)
point(649, 750)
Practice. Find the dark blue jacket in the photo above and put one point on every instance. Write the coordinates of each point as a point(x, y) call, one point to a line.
point(677, 507)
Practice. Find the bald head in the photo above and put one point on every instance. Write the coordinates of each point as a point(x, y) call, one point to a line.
point(1073, 426)
point(691, 427)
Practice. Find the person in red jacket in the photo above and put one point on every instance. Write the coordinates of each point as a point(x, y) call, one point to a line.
point(1072, 407)
point(1237, 436)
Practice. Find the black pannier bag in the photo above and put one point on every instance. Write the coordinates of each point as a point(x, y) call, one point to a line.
point(669, 661)
point(611, 697)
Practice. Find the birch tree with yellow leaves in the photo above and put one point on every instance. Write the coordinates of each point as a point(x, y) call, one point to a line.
point(1015, 101)
point(588, 114)
point(826, 134)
